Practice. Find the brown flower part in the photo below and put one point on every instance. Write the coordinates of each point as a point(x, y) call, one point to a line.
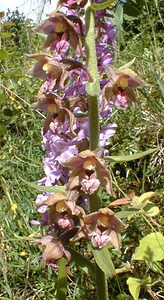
point(54, 250)
point(62, 203)
point(48, 68)
point(102, 224)
point(72, 64)
point(72, 3)
point(37, 70)
point(58, 26)
point(62, 212)
point(121, 84)
point(101, 227)
point(62, 115)
point(53, 70)
point(53, 104)
point(86, 163)
point(47, 102)
point(60, 108)
point(70, 102)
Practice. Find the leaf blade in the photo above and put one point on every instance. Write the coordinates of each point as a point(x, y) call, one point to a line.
point(84, 263)
point(151, 248)
point(126, 158)
point(42, 188)
point(134, 285)
point(62, 280)
point(103, 260)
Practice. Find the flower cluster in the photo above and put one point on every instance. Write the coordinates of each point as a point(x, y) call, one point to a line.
point(68, 161)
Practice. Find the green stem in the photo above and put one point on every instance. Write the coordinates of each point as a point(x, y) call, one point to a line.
point(101, 284)
point(93, 92)
point(90, 48)
point(92, 88)
point(94, 126)
point(103, 5)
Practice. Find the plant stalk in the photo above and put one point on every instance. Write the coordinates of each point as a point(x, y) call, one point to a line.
point(92, 88)
point(101, 284)
point(93, 92)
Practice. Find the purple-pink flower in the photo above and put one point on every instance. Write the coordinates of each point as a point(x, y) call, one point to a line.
point(90, 184)
point(68, 161)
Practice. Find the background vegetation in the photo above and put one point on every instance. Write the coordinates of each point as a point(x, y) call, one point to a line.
point(22, 274)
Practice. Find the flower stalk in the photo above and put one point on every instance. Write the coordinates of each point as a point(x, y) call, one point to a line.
point(92, 88)
point(93, 91)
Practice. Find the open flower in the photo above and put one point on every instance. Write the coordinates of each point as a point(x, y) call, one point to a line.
point(54, 250)
point(62, 203)
point(59, 108)
point(54, 71)
point(60, 27)
point(102, 227)
point(49, 69)
point(87, 163)
point(52, 103)
point(120, 87)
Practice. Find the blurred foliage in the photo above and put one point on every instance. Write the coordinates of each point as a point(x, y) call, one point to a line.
point(17, 37)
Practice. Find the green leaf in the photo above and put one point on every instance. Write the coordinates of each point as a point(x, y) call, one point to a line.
point(123, 297)
point(42, 188)
point(145, 197)
point(151, 248)
point(129, 64)
point(134, 285)
point(103, 5)
point(4, 170)
point(3, 54)
point(161, 221)
point(62, 280)
point(157, 267)
point(84, 263)
point(3, 128)
point(14, 72)
point(7, 23)
point(2, 98)
point(151, 210)
point(6, 34)
point(118, 21)
point(129, 18)
point(125, 158)
point(24, 238)
point(103, 260)
point(128, 213)
point(119, 13)
point(161, 85)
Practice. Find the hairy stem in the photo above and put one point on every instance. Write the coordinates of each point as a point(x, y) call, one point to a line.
point(93, 91)
point(92, 88)
point(101, 284)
